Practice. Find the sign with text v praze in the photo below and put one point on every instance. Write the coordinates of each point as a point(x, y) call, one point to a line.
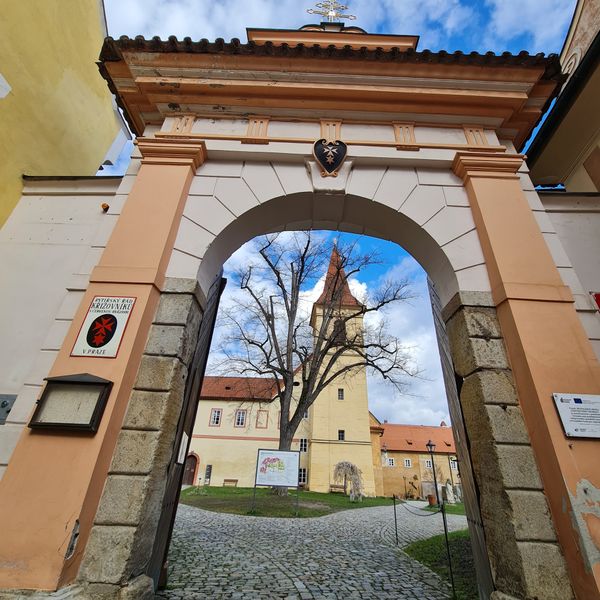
point(278, 468)
point(103, 327)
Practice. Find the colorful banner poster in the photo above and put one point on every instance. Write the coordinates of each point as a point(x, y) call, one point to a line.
point(103, 327)
point(277, 468)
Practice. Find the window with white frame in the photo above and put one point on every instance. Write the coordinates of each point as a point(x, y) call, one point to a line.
point(215, 417)
point(341, 435)
point(240, 418)
point(408, 463)
point(453, 464)
point(340, 393)
point(302, 475)
point(428, 464)
point(303, 445)
point(391, 462)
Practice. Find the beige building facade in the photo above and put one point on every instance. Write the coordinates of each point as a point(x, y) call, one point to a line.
point(237, 416)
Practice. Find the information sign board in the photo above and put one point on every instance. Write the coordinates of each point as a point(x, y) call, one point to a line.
point(579, 414)
point(103, 327)
point(277, 468)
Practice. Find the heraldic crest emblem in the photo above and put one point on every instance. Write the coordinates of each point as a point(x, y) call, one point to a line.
point(330, 155)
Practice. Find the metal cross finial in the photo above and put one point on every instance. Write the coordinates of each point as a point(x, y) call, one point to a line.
point(330, 10)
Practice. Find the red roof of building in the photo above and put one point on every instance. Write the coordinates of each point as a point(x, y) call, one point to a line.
point(238, 388)
point(413, 438)
point(335, 278)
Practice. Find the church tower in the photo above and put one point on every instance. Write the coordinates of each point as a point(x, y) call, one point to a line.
point(340, 415)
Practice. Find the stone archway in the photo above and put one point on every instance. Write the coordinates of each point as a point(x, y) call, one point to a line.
point(515, 516)
point(462, 205)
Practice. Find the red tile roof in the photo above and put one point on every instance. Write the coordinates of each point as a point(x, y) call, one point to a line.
point(413, 438)
point(238, 388)
point(335, 278)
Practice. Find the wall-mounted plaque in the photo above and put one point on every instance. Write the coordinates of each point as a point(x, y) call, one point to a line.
point(72, 403)
point(579, 414)
point(103, 327)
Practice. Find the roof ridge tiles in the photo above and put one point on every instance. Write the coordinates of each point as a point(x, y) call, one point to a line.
point(111, 51)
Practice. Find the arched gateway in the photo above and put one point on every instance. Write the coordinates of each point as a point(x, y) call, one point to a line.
point(225, 153)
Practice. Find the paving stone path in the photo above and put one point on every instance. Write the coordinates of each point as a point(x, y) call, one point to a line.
point(350, 554)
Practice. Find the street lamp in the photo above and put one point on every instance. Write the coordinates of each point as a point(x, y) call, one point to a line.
point(431, 447)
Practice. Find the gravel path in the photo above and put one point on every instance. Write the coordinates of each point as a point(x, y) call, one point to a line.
point(349, 554)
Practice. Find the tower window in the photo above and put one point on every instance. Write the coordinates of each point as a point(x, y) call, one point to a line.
point(340, 393)
point(341, 435)
point(338, 337)
point(303, 445)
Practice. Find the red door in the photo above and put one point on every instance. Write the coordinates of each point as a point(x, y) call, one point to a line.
point(190, 468)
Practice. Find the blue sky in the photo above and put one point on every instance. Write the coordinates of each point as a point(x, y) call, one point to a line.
point(466, 25)
point(481, 25)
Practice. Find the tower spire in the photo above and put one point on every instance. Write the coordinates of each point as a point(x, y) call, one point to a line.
point(336, 283)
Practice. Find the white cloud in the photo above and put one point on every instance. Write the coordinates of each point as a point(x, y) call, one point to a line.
point(412, 322)
point(200, 18)
point(544, 21)
point(491, 24)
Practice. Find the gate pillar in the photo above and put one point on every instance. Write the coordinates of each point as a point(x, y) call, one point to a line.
point(548, 351)
point(52, 486)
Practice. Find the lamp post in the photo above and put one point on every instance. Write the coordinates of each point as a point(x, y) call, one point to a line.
point(431, 447)
point(405, 492)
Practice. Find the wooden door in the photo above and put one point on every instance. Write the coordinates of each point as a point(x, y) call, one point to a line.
point(190, 470)
point(469, 486)
point(157, 566)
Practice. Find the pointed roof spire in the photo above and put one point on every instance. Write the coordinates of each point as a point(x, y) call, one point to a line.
point(335, 278)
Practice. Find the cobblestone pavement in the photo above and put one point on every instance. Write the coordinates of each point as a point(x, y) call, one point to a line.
point(347, 555)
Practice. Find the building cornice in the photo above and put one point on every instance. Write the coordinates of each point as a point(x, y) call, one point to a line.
point(160, 151)
point(479, 164)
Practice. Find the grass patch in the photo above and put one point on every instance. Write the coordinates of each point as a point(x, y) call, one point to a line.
point(451, 509)
point(238, 501)
point(432, 553)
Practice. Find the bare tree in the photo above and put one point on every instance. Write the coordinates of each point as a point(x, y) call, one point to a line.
point(348, 472)
point(270, 333)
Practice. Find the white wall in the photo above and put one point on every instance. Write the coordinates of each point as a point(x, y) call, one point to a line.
point(48, 247)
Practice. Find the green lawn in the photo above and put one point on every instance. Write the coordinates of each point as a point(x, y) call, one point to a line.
point(239, 501)
point(432, 552)
point(451, 509)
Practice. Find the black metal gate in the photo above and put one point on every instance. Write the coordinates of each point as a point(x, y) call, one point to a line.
point(157, 568)
point(469, 487)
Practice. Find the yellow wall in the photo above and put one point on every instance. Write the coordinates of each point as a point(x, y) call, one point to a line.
point(350, 414)
point(231, 450)
point(58, 117)
point(417, 473)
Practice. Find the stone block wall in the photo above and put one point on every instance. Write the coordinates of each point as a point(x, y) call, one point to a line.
point(129, 510)
point(525, 557)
